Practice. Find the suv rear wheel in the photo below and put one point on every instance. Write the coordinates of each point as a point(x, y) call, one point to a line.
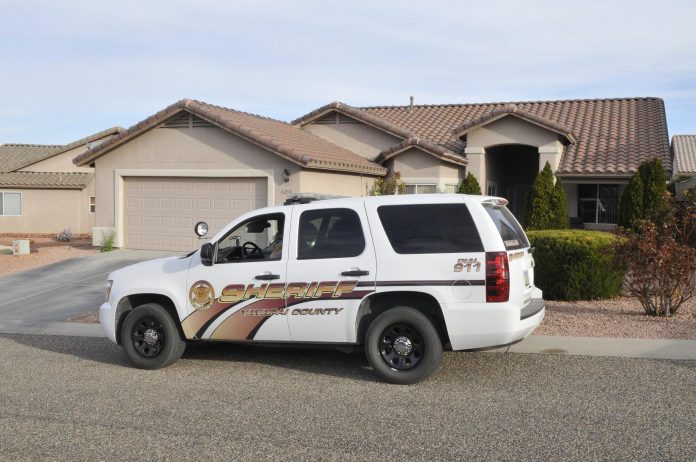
point(403, 346)
point(150, 337)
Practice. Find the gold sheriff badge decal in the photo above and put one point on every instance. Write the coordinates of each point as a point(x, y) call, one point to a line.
point(202, 295)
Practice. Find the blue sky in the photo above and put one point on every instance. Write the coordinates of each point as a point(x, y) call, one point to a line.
point(72, 68)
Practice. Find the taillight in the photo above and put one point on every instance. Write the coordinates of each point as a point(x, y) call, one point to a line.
point(497, 277)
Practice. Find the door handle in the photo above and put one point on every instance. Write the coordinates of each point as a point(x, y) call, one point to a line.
point(267, 276)
point(355, 272)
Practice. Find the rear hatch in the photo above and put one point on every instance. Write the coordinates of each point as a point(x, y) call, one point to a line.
point(519, 254)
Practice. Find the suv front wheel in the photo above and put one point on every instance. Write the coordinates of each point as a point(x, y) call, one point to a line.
point(403, 346)
point(150, 338)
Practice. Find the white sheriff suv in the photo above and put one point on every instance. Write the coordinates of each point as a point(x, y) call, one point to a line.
point(404, 276)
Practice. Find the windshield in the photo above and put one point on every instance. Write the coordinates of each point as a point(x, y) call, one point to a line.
point(508, 227)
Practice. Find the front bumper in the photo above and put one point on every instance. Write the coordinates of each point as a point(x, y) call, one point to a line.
point(107, 319)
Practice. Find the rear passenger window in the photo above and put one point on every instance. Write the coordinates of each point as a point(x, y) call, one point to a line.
point(330, 233)
point(430, 228)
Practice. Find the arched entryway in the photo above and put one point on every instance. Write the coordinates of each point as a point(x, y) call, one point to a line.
point(510, 172)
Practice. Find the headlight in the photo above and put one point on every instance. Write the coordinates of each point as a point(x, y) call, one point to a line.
point(108, 290)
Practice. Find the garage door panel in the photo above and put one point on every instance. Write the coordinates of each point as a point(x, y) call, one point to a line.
point(160, 212)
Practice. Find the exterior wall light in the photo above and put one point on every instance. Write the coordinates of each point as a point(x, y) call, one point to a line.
point(286, 175)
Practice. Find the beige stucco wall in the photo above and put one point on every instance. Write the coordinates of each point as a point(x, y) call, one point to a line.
point(341, 184)
point(50, 211)
point(416, 166)
point(60, 163)
point(198, 152)
point(362, 139)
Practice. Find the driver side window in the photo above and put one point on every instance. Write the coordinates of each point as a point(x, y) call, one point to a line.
point(259, 238)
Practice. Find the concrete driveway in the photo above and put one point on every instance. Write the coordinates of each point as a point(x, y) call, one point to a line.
point(37, 299)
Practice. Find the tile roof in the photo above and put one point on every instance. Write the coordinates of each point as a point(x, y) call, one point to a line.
point(425, 145)
point(613, 136)
point(16, 156)
point(684, 147)
point(512, 109)
point(45, 180)
point(286, 140)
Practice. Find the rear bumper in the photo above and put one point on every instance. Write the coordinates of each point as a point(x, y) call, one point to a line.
point(491, 325)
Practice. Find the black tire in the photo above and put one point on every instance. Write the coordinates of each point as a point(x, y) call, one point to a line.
point(150, 337)
point(403, 346)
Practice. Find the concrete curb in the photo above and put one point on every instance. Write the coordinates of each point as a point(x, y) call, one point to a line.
point(602, 346)
point(535, 344)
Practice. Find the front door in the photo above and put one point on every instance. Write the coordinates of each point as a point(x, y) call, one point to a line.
point(242, 295)
point(331, 269)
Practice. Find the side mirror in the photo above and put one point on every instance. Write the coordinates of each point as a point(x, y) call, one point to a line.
point(207, 254)
point(201, 229)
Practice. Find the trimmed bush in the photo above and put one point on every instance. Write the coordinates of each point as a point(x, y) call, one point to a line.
point(631, 205)
point(540, 214)
point(559, 204)
point(575, 264)
point(470, 185)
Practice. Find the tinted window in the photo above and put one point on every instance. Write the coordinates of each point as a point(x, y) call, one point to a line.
point(511, 231)
point(330, 233)
point(430, 228)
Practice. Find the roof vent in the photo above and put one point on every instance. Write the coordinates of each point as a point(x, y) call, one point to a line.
point(410, 105)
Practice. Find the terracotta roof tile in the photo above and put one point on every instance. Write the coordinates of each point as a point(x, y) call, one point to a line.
point(684, 147)
point(425, 145)
point(613, 136)
point(45, 180)
point(286, 140)
point(16, 156)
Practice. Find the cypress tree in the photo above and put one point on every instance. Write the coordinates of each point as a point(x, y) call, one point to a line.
point(470, 185)
point(631, 205)
point(654, 184)
point(559, 205)
point(539, 214)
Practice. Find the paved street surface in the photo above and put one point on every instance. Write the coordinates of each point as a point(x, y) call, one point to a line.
point(64, 289)
point(74, 398)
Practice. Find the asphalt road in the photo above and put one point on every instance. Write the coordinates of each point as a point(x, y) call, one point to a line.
point(64, 289)
point(70, 398)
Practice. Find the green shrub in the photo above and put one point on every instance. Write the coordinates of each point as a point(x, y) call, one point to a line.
point(540, 214)
point(654, 183)
point(631, 205)
point(108, 241)
point(470, 185)
point(575, 264)
point(559, 204)
point(388, 186)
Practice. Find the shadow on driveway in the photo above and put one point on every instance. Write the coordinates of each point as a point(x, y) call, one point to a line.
point(314, 360)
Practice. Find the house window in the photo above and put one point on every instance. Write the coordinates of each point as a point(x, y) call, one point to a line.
point(92, 204)
point(419, 188)
point(10, 203)
point(451, 188)
point(598, 203)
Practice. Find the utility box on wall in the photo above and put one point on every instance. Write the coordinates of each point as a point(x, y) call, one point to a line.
point(20, 247)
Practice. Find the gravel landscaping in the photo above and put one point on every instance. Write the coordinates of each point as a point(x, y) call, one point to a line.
point(44, 251)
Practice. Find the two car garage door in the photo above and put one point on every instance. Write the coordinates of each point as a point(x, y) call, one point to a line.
point(160, 213)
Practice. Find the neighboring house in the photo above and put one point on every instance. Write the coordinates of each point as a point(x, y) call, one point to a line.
point(195, 161)
point(684, 152)
point(43, 192)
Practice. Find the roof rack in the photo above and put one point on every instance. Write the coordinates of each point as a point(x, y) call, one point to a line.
point(306, 198)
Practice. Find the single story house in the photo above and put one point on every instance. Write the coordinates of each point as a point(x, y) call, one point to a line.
point(684, 154)
point(196, 161)
point(43, 192)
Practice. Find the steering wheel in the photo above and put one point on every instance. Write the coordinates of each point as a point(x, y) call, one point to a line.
point(250, 248)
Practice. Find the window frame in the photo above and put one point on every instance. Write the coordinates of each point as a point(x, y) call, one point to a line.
point(2, 203)
point(313, 210)
point(596, 200)
point(92, 204)
point(283, 252)
point(417, 185)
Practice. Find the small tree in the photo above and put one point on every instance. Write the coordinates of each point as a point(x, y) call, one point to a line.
point(539, 214)
point(654, 183)
point(631, 205)
point(470, 185)
point(559, 205)
point(388, 186)
point(660, 258)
